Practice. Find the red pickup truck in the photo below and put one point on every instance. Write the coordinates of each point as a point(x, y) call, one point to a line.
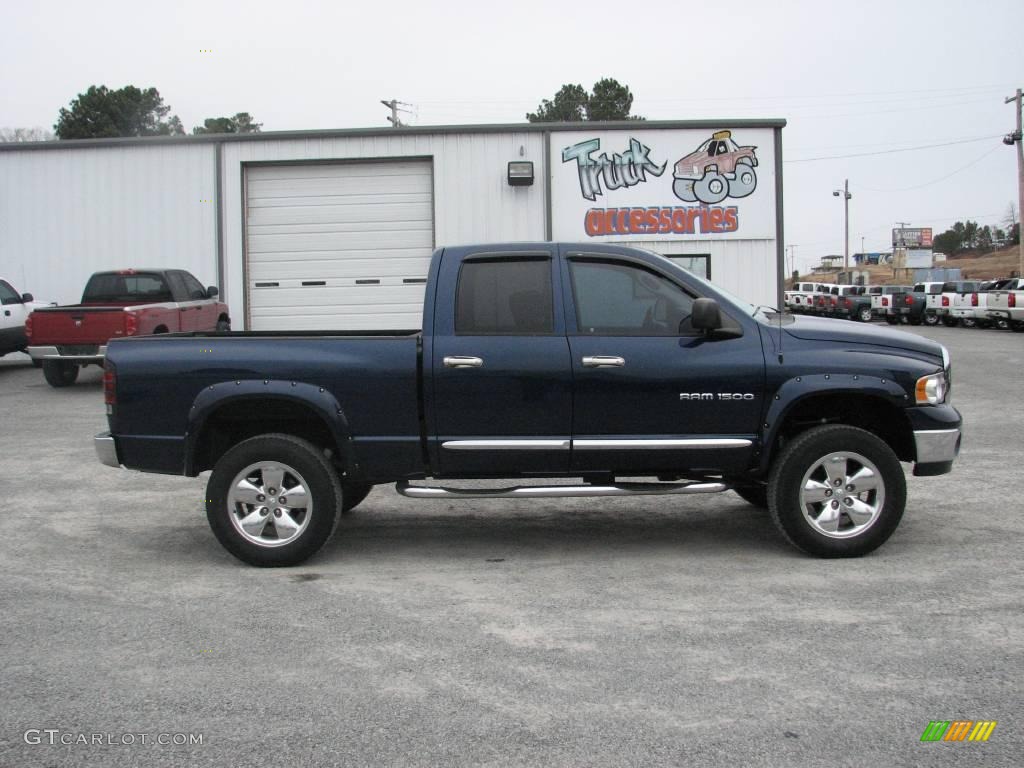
point(128, 302)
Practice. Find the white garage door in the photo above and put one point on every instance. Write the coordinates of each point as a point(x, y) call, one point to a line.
point(338, 247)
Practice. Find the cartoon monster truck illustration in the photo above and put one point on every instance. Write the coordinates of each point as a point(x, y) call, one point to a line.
point(719, 168)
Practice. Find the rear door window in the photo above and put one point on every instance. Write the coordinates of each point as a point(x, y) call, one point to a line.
point(505, 297)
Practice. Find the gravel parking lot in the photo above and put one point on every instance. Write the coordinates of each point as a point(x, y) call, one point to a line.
point(557, 632)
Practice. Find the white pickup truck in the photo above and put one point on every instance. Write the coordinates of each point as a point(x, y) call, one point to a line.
point(940, 304)
point(881, 301)
point(971, 308)
point(797, 299)
point(1007, 306)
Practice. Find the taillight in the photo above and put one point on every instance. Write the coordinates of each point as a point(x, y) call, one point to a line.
point(848, 303)
point(945, 301)
point(109, 385)
point(885, 301)
point(28, 328)
point(834, 301)
point(1011, 300)
point(131, 324)
point(974, 299)
point(908, 300)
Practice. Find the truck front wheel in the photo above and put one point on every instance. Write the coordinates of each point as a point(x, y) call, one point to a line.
point(59, 373)
point(273, 500)
point(837, 491)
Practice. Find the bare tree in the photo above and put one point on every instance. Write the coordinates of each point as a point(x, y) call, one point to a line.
point(17, 135)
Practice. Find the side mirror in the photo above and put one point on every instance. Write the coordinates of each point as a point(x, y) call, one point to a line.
point(27, 297)
point(212, 291)
point(707, 316)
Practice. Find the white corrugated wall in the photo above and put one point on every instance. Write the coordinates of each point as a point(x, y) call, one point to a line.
point(66, 213)
point(472, 199)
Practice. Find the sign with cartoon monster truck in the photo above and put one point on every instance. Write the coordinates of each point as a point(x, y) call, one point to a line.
point(659, 184)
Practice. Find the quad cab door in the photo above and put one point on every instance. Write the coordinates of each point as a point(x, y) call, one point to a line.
point(500, 373)
point(651, 393)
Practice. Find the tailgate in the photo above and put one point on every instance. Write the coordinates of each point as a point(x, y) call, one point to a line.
point(76, 325)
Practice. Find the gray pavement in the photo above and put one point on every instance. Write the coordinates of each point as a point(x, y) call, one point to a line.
point(553, 632)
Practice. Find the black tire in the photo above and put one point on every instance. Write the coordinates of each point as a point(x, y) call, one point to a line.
point(59, 373)
point(352, 495)
point(1017, 326)
point(930, 319)
point(950, 322)
point(864, 314)
point(892, 319)
point(796, 468)
point(915, 321)
point(756, 495)
point(223, 326)
point(1002, 323)
point(304, 464)
point(968, 322)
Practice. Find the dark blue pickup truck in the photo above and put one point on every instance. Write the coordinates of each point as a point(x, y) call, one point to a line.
point(541, 360)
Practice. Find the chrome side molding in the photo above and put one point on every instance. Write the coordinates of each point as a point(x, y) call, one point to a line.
point(557, 491)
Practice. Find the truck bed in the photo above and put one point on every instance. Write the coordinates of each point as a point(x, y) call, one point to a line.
point(370, 377)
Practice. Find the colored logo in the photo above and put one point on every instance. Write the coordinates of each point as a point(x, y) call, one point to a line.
point(958, 730)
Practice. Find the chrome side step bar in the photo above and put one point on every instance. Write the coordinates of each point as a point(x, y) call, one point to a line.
point(557, 491)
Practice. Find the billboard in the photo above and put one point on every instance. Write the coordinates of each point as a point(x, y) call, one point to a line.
point(663, 184)
point(918, 237)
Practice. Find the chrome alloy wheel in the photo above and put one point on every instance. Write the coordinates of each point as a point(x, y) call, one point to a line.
point(268, 504)
point(842, 495)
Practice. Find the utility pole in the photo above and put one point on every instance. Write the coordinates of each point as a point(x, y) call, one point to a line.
point(395, 109)
point(792, 258)
point(1016, 138)
point(845, 192)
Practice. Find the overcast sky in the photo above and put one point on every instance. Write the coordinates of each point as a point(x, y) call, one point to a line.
point(861, 77)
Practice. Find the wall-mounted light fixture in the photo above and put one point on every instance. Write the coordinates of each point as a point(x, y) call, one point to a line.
point(520, 173)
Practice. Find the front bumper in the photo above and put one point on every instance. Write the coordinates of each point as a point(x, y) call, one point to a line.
point(935, 446)
point(106, 449)
point(53, 353)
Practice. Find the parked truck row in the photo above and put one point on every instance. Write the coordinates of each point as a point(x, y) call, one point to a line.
point(968, 303)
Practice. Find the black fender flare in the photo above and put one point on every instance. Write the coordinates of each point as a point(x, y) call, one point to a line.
point(800, 388)
point(311, 396)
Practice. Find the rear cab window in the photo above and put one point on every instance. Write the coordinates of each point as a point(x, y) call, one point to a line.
point(504, 296)
point(118, 287)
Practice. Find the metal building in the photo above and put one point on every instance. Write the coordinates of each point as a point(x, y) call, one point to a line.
point(334, 229)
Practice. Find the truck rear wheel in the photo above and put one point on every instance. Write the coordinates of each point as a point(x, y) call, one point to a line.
point(931, 319)
point(892, 319)
point(837, 491)
point(59, 373)
point(864, 315)
point(273, 500)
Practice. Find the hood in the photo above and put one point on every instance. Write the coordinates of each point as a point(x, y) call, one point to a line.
point(850, 332)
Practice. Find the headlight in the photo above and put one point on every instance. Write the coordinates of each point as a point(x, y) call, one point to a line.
point(932, 390)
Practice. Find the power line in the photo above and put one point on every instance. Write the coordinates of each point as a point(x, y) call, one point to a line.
point(892, 151)
point(941, 178)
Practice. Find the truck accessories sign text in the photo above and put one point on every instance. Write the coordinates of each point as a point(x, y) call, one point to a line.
point(660, 221)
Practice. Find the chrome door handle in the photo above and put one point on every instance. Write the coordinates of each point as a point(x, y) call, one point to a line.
point(461, 361)
point(603, 361)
